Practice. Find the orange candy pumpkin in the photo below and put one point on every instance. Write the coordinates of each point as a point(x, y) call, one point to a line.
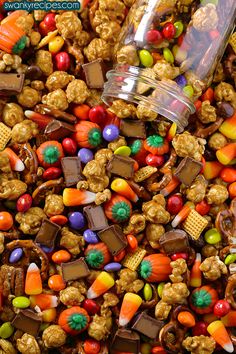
point(155, 267)
point(74, 320)
point(88, 134)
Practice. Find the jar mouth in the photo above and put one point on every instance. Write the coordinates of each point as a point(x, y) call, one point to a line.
point(164, 97)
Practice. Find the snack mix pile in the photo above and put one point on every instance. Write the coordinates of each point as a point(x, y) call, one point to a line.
point(117, 231)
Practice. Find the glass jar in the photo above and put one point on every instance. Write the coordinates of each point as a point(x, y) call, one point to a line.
point(167, 53)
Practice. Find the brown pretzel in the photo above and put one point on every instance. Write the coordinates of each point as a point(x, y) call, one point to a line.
point(28, 247)
point(154, 300)
point(204, 132)
point(173, 327)
point(29, 157)
point(230, 290)
point(226, 222)
point(39, 192)
point(76, 52)
point(56, 113)
point(13, 234)
point(11, 280)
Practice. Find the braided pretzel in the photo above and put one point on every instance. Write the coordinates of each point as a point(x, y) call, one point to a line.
point(44, 187)
point(230, 290)
point(29, 157)
point(173, 327)
point(226, 222)
point(204, 132)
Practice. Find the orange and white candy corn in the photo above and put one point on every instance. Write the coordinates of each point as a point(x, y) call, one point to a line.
point(33, 281)
point(44, 301)
point(76, 197)
point(15, 161)
point(131, 303)
point(100, 285)
point(218, 332)
point(120, 186)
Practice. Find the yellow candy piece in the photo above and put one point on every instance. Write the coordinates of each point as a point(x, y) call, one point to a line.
point(56, 44)
point(160, 289)
point(147, 292)
point(123, 151)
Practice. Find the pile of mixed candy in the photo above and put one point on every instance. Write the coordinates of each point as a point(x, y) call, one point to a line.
point(117, 232)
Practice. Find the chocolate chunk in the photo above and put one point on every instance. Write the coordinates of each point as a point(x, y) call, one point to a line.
point(125, 340)
point(114, 238)
point(56, 130)
point(71, 168)
point(11, 84)
point(94, 74)
point(147, 325)
point(188, 170)
point(174, 241)
point(96, 217)
point(28, 322)
point(47, 233)
point(133, 128)
point(74, 270)
point(122, 166)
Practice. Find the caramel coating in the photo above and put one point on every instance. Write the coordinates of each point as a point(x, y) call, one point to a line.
point(53, 337)
point(6, 347)
point(103, 155)
point(24, 131)
point(115, 144)
point(31, 220)
point(56, 99)
point(217, 194)
point(225, 92)
point(213, 268)
point(114, 9)
point(71, 296)
point(165, 70)
point(188, 145)
point(68, 25)
point(197, 191)
point(72, 242)
point(12, 189)
point(100, 327)
point(219, 74)
point(53, 205)
point(176, 293)
point(110, 300)
point(109, 31)
point(43, 59)
point(137, 224)
point(83, 39)
point(207, 113)
point(154, 233)
point(179, 267)
point(162, 310)
point(12, 114)
point(27, 344)
point(127, 55)
point(95, 98)
point(144, 113)
point(199, 344)
point(205, 18)
point(95, 173)
point(102, 197)
point(154, 210)
point(2, 239)
point(217, 141)
point(58, 80)
point(128, 282)
point(5, 166)
point(77, 92)
point(25, 22)
point(122, 109)
point(35, 38)
point(37, 85)
point(29, 97)
point(98, 48)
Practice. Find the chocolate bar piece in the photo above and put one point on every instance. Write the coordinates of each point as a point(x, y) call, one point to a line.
point(71, 167)
point(47, 233)
point(174, 241)
point(56, 130)
point(114, 238)
point(133, 128)
point(94, 74)
point(188, 170)
point(11, 84)
point(148, 325)
point(28, 322)
point(122, 166)
point(56, 113)
point(125, 340)
point(96, 217)
point(74, 270)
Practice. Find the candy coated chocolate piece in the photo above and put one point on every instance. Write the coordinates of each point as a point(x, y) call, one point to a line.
point(112, 267)
point(74, 270)
point(133, 128)
point(147, 325)
point(16, 255)
point(90, 236)
point(94, 74)
point(47, 233)
point(187, 170)
point(110, 132)
point(174, 241)
point(28, 322)
point(71, 167)
point(11, 84)
point(76, 220)
point(85, 155)
point(126, 340)
point(56, 130)
point(96, 217)
point(114, 238)
point(122, 166)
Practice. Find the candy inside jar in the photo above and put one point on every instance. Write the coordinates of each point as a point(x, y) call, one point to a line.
point(167, 53)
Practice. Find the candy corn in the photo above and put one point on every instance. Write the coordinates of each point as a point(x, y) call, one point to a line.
point(211, 169)
point(182, 215)
point(170, 187)
point(43, 301)
point(229, 320)
point(226, 154)
point(171, 132)
point(228, 127)
point(101, 284)
point(15, 161)
point(130, 305)
point(75, 197)
point(195, 274)
point(41, 119)
point(218, 331)
point(33, 281)
point(121, 187)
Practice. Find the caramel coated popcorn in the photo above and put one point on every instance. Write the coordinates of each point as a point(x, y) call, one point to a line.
point(162, 310)
point(24, 131)
point(31, 220)
point(72, 242)
point(165, 70)
point(56, 99)
point(77, 92)
point(53, 336)
point(68, 25)
point(153, 234)
point(137, 224)
point(176, 293)
point(43, 60)
point(128, 282)
point(29, 97)
point(12, 114)
point(207, 113)
point(53, 205)
point(58, 80)
point(28, 344)
point(179, 268)
point(213, 268)
point(122, 109)
point(188, 145)
point(217, 194)
point(98, 48)
point(12, 189)
point(199, 344)
point(155, 212)
point(71, 296)
point(127, 54)
point(205, 18)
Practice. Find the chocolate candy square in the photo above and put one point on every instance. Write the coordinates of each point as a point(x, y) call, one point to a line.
point(174, 241)
point(96, 217)
point(71, 167)
point(47, 233)
point(94, 74)
point(121, 166)
point(11, 84)
point(125, 340)
point(187, 170)
point(56, 130)
point(133, 128)
point(74, 270)
point(147, 325)
point(114, 238)
point(28, 322)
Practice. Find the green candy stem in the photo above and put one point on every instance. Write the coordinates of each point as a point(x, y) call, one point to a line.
point(77, 321)
point(145, 269)
point(51, 154)
point(94, 137)
point(155, 140)
point(20, 45)
point(121, 211)
point(94, 258)
point(201, 299)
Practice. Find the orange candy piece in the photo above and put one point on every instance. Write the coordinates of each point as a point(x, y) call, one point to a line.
point(61, 256)
point(56, 282)
point(186, 319)
point(81, 111)
point(228, 174)
point(6, 221)
point(59, 219)
point(33, 281)
point(232, 190)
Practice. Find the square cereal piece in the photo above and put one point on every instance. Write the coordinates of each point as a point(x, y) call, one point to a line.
point(144, 173)
point(195, 224)
point(5, 136)
point(132, 260)
point(232, 41)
